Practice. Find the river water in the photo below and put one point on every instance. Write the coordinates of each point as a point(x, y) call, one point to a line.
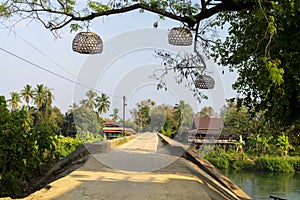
point(260, 186)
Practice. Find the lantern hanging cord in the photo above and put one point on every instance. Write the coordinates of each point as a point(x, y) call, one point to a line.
point(87, 25)
point(195, 48)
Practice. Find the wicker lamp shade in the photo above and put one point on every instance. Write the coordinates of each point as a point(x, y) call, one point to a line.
point(87, 43)
point(205, 82)
point(180, 36)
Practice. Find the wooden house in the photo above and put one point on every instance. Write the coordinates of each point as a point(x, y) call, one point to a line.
point(113, 130)
point(208, 131)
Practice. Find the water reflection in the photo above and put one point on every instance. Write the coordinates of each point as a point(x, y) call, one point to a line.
point(261, 185)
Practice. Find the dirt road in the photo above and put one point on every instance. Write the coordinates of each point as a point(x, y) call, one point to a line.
point(133, 171)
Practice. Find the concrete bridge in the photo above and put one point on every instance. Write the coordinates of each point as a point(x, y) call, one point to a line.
point(150, 166)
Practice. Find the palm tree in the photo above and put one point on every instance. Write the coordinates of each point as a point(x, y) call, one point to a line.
point(102, 103)
point(184, 115)
point(90, 101)
point(40, 96)
point(43, 97)
point(14, 101)
point(27, 93)
point(207, 112)
point(115, 117)
point(179, 108)
point(49, 97)
point(73, 107)
point(28, 119)
point(83, 102)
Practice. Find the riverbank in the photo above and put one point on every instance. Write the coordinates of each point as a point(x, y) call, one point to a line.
point(259, 176)
point(264, 163)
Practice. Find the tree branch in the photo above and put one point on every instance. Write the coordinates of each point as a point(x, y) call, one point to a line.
point(185, 19)
point(229, 5)
point(189, 19)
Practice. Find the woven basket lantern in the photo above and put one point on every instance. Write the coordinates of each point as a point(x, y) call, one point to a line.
point(87, 43)
point(180, 36)
point(205, 82)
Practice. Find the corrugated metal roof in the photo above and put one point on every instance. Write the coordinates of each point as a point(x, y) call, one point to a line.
point(208, 123)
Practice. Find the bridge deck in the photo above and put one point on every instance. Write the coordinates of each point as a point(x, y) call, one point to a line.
point(133, 171)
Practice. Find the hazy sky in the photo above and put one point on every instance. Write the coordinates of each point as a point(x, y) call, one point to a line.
point(122, 70)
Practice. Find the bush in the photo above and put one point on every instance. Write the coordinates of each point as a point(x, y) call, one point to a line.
point(122, 141)
point(241, 165)
point(26, 152)
point(231, 160)
point(168, 132)
point(29, 148)
point(274, 164)
point(295, 151)
point(66, 145)
point(89, 137)
point(295, 162)
point(219, 162)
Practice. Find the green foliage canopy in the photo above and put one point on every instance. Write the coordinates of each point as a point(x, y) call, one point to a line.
point(27, 149)
point(263, 46)
point(55, 14)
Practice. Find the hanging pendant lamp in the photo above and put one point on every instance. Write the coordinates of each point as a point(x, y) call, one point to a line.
point(180, 36)
point(87, 43)
point(204, 82)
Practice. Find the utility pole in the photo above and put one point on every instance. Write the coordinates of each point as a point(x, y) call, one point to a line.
point(124, 105)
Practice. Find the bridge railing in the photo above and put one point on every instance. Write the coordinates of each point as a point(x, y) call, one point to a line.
point(186, 151)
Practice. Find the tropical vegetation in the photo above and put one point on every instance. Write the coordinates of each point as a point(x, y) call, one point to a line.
point(262, 46)
point(260, 144)
point(115, 115)
point(231, 159)
point(169, 120)
point(34, 134)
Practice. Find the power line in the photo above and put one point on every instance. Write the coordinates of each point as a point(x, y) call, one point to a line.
point(54, 73)
point(38, 50)
point(56, 63)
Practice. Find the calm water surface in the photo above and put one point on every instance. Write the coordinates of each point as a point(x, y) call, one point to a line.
point(260, 185)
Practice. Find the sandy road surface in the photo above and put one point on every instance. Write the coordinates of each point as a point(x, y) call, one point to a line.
point(133, 171)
